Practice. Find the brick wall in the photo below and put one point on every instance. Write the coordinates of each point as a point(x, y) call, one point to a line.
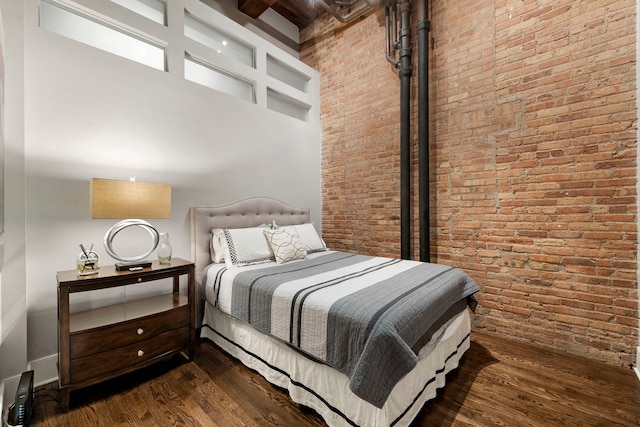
point(360, 161)
point(533, 155)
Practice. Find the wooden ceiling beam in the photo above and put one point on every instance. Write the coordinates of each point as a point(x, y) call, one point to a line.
point(300, 12)
point(255, 8)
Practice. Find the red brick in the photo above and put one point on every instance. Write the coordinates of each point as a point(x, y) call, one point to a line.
point(533, 143)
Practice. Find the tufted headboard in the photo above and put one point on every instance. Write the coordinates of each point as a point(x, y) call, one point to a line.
point(249, 212)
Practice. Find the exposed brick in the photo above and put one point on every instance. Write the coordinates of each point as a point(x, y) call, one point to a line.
point(533, 144)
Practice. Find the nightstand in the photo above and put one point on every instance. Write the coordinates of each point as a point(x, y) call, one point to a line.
point(98, 344)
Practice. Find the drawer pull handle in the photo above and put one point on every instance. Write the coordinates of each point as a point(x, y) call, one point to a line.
point(140, 331)
point(140, 353)
point(139, 279)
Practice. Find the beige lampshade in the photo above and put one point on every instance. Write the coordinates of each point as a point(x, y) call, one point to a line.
point(129, 199)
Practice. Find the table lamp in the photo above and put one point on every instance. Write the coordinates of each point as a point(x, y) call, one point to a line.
point(114, 199)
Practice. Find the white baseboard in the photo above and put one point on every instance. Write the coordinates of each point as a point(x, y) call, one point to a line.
point(9, 388)
point(45, 371)
point(2, 409)
point(637, 367)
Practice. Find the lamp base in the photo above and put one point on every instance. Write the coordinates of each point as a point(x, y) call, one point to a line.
point(132, 266)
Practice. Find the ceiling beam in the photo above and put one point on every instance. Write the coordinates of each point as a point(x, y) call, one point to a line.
point(255, 8)
point(299, 12)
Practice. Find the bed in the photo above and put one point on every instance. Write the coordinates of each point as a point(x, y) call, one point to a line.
point(272, 295)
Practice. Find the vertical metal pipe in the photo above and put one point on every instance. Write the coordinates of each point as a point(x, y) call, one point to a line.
point(404, 8)
point(391, 31)
point(423, 28)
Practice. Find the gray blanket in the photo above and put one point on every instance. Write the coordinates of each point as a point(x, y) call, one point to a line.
point(362, 315)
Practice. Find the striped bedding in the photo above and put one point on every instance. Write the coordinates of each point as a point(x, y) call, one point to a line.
point(365, 316)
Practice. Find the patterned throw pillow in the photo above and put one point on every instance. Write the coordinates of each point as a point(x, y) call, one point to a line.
point(285, 244)
point(308, 235)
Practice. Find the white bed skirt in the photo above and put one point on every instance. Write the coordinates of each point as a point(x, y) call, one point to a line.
point(326, 390)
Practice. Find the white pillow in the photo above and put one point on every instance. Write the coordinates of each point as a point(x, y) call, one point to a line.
point(309, 237)
point(216, 244)
point(244, 246)
point(217, 251)
point(285, 244)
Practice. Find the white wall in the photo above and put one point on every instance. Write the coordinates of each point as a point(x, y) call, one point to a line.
point(13, 291)
point(88, 113)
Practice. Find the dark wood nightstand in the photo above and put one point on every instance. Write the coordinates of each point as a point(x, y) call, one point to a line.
point(98, 344)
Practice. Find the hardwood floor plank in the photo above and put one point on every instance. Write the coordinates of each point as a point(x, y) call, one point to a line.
point(518, 384)
point(498, 383)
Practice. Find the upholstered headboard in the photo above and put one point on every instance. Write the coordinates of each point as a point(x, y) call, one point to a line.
point(249, 212)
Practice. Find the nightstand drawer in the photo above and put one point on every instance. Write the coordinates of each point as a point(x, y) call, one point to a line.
point(128, 357)
point(93, 341)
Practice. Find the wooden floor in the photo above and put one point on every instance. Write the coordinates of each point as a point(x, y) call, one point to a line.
point(499, 383)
